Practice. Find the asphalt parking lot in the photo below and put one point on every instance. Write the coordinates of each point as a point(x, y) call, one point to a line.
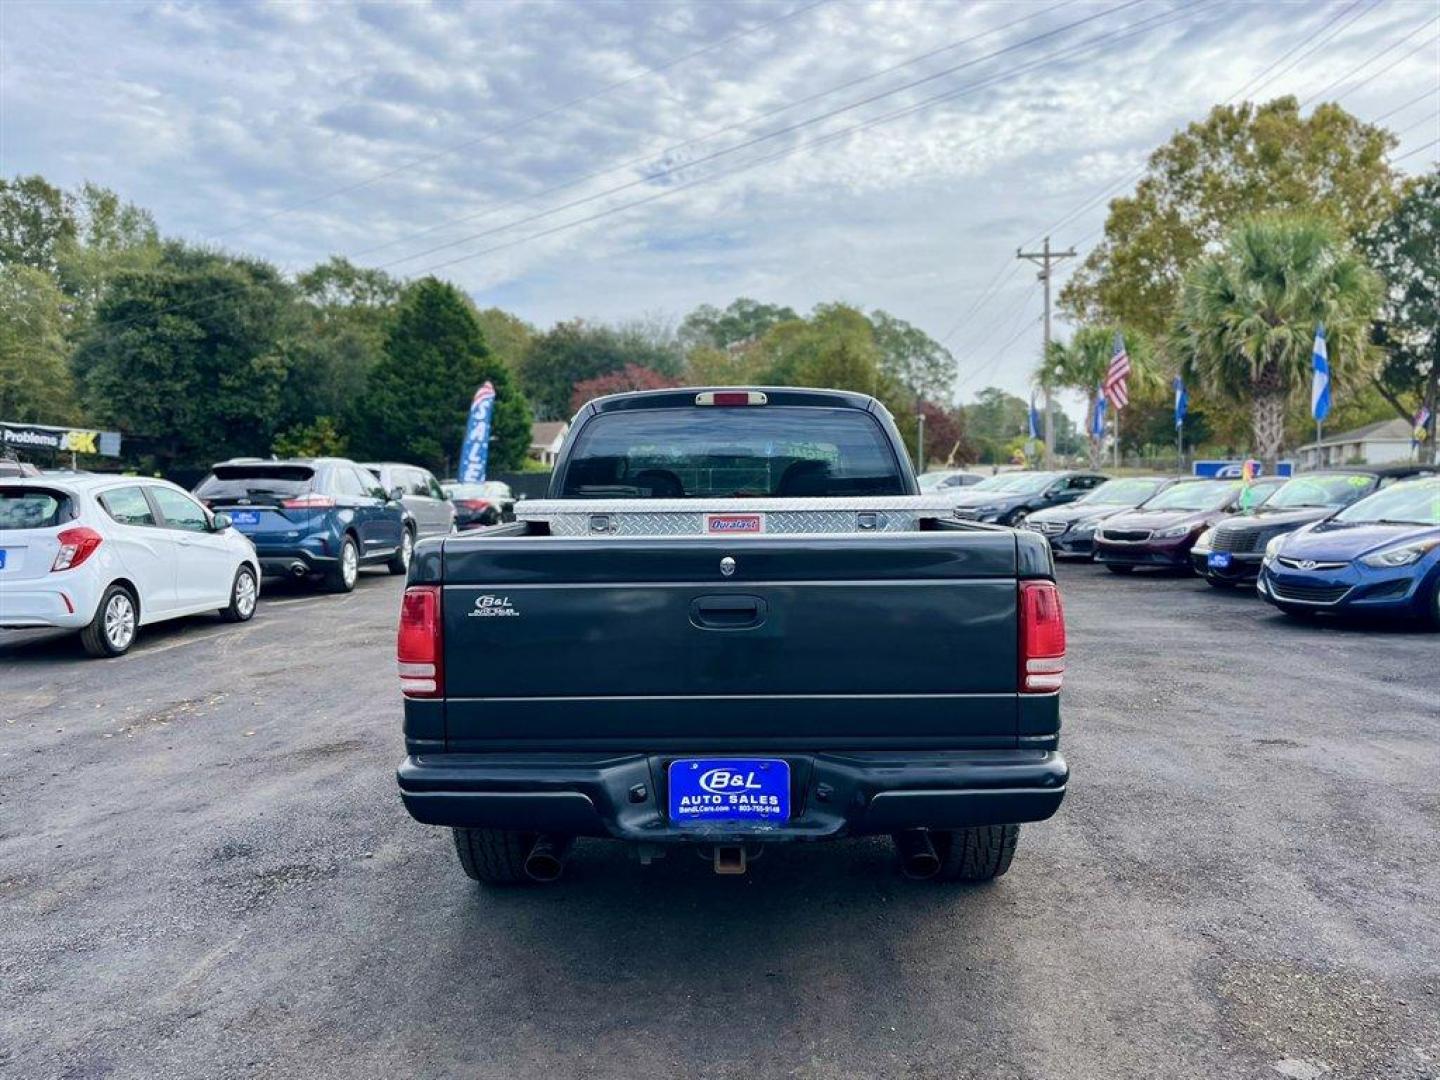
point(205, 871)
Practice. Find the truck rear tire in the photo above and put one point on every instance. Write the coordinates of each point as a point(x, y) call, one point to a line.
point(494, 856)
point(981, 853)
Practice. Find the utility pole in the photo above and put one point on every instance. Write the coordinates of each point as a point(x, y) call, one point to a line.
point(1044, 258)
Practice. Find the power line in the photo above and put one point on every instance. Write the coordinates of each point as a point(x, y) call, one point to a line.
point(1371, 78)
point(581, 99)
point(713, 133)
point(650, 178)
point(1432, 92)
point(821, 140)
point(818, 141)
point(1417, 150)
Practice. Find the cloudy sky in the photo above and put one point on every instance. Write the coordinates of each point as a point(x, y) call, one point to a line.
point(615, 159)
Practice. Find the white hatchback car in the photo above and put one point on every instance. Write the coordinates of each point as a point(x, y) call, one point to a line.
point(107, 554)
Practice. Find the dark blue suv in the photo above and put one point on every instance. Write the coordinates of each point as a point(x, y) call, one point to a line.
point(312, 517)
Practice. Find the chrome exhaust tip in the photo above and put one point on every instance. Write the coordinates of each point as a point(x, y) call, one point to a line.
point(918, 858)
point(546, 861)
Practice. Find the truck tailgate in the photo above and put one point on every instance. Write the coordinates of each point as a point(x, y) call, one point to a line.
point(810, 641)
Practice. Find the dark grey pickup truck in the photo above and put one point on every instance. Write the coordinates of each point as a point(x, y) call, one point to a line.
point(735, 622)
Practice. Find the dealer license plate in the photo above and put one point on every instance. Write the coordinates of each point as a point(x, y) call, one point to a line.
point(1219, 560)
point(749, 791)
point(245, 517)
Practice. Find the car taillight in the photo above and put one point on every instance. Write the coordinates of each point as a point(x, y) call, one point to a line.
point(475, 504)
point(418, 646)
point(76, 545)
point(1042, 638)
point(309, 502)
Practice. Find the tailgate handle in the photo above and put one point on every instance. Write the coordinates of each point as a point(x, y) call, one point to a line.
point(727, 612)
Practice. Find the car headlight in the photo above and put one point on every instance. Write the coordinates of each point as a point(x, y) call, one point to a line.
point(1205, 539)
point(1084, 527)
point(1272, 549)
point(1174, 531)
point(1403, 555)
point(983, 510)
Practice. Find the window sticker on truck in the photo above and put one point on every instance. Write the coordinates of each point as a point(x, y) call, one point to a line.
point(734, 524)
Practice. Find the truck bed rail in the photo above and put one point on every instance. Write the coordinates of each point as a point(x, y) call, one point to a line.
point(732, 517)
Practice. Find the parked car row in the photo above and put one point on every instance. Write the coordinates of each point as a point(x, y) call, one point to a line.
point(106, 554)
point(1339, 539)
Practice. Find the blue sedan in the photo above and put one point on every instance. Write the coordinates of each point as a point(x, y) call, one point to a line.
point(1381, 554)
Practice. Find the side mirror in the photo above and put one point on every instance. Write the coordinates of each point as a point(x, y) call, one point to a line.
point(396, 494)
point(220, 522)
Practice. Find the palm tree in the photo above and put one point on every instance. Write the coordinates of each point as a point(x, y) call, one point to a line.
point(1248, 314)
point(1081, 363)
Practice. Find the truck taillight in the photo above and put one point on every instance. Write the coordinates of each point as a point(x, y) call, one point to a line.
point(731, 397)
point(76, 545)
point(418, 646)
point(1042, 638)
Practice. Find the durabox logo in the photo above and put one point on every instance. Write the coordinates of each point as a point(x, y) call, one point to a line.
point(734, 524)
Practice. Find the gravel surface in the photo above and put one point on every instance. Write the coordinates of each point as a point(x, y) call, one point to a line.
point(205, 871)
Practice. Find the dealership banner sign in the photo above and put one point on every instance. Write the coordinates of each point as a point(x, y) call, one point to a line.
point(60, 439)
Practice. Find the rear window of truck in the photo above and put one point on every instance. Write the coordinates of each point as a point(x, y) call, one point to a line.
point(33, 508)
point(754, 451)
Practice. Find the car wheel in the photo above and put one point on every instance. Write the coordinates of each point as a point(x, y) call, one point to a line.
point(494, 856)
point(982, 853)
point(400, 562)
point(1434, 613)
point(243, 594)
point(112, 631)
point(1116, 568)
point(341, 577)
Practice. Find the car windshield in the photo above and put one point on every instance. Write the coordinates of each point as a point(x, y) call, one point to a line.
point(698, 453)
point(1131, 492)
point(1413, 503)
point(1015, 483)
point(260, 479)
point(1337, 489)
point(1196, 495)
point(32, 508)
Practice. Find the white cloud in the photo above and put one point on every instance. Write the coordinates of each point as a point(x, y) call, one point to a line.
point(297, 130)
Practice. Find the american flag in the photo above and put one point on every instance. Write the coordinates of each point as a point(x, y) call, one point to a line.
point(1115, 389)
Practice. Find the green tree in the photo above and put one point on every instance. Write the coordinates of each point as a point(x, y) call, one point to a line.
point(506, 336)
point(1405, 249)
point(743, 320)
point(35, 384)
point(418, 397)
point(189, 356)
point(109, 236)
point(911, 358)
point(567, 354)
point(37, 220)
point(1242, 160)
point(1248, 316)
point(320, 439)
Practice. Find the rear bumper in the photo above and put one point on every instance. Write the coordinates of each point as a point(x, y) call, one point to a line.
point(291, 561)
point(832, 795)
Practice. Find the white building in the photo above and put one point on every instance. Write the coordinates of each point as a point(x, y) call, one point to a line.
point(546, 438)
point(1383, 443)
